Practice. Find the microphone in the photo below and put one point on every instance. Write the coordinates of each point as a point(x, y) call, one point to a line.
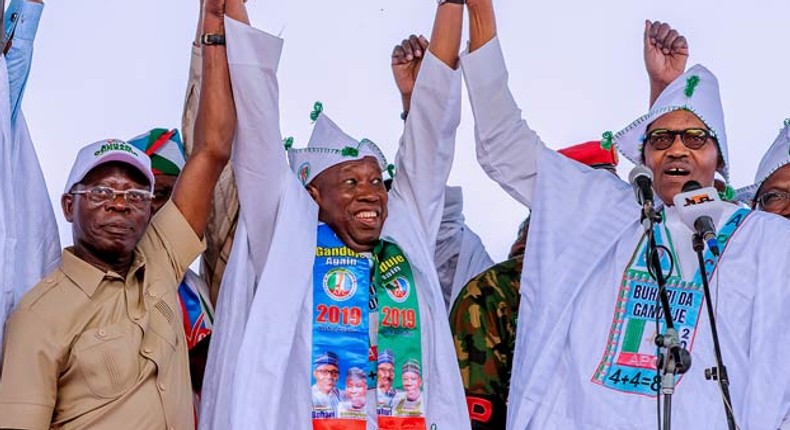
point(641, 179)
point(698, 207)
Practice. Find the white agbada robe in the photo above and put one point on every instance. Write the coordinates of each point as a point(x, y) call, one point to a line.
point(30, 246)
point(258, 375)
point(583, 232)
point(460, 254)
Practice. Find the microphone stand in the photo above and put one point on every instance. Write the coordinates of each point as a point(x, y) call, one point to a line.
point(719, 372)
point(674, 360)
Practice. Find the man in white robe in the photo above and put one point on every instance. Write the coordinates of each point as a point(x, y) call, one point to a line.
point(264, 321)
point(584, 232)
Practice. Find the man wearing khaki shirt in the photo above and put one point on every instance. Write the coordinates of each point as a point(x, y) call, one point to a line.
point(98, 343)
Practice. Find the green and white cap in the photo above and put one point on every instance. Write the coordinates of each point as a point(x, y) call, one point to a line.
point(105, 151)
point(696, 91)
point(778, 156)
point(329, 146)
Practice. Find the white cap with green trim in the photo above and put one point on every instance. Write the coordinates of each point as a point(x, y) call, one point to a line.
point(329, 146)
point(777, 156)
point(696, 91)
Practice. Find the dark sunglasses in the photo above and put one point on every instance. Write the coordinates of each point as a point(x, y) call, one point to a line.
point(693, 138)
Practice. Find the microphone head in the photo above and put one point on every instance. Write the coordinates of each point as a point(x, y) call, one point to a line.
point(696, 203)
point(640, 171)
point(691, 186)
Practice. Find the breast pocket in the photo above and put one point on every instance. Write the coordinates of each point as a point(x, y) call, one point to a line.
point(107, 359)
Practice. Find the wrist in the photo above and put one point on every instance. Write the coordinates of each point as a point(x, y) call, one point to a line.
point(405, 101)
point(213, 24)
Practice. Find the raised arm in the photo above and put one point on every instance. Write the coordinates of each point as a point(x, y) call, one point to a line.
point(666, 53)
point(21, 24)
point(214, 125)
point(224, 214)
point(507, 148)
point(259, 158)
point(426, 151)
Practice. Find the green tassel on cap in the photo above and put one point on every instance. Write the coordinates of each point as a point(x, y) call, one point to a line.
point(391, 170)
point(349, 152)
point(318, 107)
point(288, 142)
point(787, 122)
point(606, 142)
point(691, 85)
point(728, 194)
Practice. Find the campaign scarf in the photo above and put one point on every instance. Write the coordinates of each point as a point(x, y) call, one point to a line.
point(348, 297)
point(629, 358)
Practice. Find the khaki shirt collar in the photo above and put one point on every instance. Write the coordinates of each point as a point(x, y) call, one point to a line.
point(87, 276)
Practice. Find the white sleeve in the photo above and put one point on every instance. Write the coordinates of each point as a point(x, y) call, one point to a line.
point(425, 155)
point(259, 158)
point(507, 148)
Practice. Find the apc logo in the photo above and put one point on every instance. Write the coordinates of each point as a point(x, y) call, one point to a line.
point(398, 289)
point(340, 284)
point(698, 200)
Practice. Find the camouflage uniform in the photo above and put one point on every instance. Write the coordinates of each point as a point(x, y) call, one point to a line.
point(483, 320)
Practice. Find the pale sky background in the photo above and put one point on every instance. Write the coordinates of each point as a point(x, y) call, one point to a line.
point(108, 68)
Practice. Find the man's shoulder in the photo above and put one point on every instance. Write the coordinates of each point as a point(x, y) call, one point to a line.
point(54, 290)
point(53, 303)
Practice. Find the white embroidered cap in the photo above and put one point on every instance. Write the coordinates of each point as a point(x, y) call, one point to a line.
point(777, 156)
point(105, 151)
point(329, 146)
point(696, 91)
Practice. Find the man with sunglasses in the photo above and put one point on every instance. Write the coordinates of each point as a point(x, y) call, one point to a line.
point(585, 351)
point(99, 342)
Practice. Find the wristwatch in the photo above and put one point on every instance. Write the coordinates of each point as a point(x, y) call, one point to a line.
point(212, 39)
point(441, 2)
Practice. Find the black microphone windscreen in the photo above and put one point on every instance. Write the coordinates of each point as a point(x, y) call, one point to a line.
point(691, 186)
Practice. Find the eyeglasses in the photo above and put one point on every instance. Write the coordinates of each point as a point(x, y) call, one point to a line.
point(100, 195)
point(325, 372)
point(693, 138)
point(773, 201)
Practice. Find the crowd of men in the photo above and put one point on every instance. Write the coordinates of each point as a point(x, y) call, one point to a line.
point(338, 291)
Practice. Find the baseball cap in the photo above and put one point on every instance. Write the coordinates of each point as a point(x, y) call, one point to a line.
point(105, 151)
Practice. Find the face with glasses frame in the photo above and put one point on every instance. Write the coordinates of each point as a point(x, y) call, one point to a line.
point(109, 211)
point(326, 376)
point(774, 194)
point(678, 147)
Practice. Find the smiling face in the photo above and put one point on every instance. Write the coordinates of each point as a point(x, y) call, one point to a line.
point(355, 390)
point(326, 377)
point(411, 385)
point(353, 201)
point(678, 164)
point(110, 231)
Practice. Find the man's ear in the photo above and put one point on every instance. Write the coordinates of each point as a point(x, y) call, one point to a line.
point(67, 203)
point(315, 193)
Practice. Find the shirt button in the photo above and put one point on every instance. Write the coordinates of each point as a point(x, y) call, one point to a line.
point(152, 294)
point(148, 350)
point(162, 386)
point(101, 334)
point(136, 317)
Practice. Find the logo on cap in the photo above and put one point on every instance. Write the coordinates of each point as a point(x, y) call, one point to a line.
point(340, 284)
point(303, 173)
point(115, 145)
